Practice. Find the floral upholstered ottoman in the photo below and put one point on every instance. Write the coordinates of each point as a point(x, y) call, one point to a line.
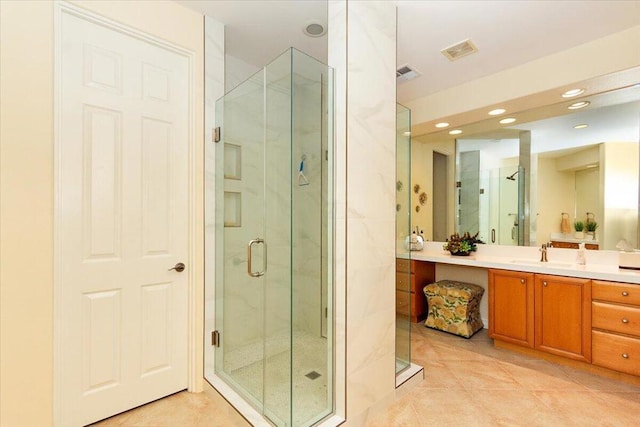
point(454, 307)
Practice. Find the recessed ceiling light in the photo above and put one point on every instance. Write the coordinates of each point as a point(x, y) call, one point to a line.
point(497, 111)
point(442, 125)
point(455, 132)
point(573, 92)
point(314, 29)
point(407, 133)
point(507, 120)
point(592, 166)
point(578, 105)
point(581, 126)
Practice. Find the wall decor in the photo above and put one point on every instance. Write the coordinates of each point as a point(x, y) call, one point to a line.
point(416, 188)
point(399, 186)
point(422, 198)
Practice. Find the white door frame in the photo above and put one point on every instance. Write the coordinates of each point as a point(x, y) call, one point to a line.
point(194, 338)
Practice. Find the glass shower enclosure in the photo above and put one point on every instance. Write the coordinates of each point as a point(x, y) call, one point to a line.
point(269, 282)
point(403, 232)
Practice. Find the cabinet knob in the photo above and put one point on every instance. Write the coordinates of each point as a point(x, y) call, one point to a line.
point(544, 284)
point(625, 293)
point(625, 356)
point(522, 281)
point(625, 320)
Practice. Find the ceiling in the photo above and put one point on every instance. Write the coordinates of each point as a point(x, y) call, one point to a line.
point(257, 31)
point(508, 34)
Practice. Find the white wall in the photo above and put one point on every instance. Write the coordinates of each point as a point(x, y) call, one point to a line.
point(620, 165)
point(237, 71)
point(551, 204)
point(26, 188)
point(422, 173)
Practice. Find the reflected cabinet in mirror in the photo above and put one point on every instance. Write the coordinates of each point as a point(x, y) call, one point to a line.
point(564, 173)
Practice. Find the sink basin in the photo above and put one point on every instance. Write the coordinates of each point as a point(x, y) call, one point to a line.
point(542, 264)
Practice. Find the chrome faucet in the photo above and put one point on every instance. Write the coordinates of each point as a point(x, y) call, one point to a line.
point(543, 252)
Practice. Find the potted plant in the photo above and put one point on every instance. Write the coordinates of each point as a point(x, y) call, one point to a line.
point(579, 227)
point(591, 227)
point(461, 245)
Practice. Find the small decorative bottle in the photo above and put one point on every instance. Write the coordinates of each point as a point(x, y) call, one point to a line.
point(580, 256)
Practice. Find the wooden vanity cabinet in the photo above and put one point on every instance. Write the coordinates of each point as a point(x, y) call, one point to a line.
point(616, 326)
point(548, 313)
point(411, 277)
point(511, 308)
point(574, 245)
point(563, 316)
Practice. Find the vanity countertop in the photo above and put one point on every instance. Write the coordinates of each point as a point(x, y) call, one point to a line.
point(600, 265)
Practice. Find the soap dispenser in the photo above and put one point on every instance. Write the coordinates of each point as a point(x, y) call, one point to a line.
point(580, 256)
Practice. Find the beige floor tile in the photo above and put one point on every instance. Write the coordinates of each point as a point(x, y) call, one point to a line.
point(599, 383)
point(541, 375)
point(584, 408)
point(475, 375)
point(466, 383)
point(442, 407)
point(515, 408)
point(439, 375)
point(180, 409)
point(401, 414)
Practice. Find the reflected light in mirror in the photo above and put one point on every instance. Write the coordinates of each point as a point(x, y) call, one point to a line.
point(455, 132)
point(573, 92)
point(581, 126)
point(578, 105)
point(507, 120)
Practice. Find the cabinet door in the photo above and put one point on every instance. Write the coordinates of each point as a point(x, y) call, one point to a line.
point(511, 307)
point(563, 316)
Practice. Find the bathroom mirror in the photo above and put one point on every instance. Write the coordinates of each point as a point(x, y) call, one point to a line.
point(514, 182)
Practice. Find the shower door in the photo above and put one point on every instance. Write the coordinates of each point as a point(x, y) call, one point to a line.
point(273, 264)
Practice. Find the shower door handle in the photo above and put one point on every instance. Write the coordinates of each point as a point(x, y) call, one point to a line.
point(264, 258)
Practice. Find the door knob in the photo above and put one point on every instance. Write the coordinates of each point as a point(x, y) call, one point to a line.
point(179, 267)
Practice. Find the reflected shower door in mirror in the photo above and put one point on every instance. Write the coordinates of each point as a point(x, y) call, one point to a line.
point(487, 189)
point(580, 164)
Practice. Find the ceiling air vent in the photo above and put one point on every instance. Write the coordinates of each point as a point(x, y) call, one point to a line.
point(459, 50)
point(406, 73)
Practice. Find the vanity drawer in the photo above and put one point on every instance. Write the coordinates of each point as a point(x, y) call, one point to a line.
point(405, 282)
point(615, 292)
point(405, 265)
point(616, 318)
point(616, 352)
point(404, 301)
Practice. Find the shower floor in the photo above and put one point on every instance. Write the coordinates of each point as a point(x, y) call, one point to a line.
point(270, 382)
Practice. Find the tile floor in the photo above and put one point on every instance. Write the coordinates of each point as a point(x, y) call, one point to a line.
point(467, 383)
point(471, 383)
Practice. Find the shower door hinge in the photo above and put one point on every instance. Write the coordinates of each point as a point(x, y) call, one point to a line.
point(216, 134)
point(215, 338)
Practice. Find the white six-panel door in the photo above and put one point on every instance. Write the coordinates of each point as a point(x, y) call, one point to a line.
point(122, 218)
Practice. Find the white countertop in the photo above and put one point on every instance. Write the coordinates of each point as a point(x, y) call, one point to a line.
point(601, 265)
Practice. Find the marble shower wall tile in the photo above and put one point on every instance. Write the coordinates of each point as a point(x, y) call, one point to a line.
point(370, 198)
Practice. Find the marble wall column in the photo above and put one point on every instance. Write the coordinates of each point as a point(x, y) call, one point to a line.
point(362, 49)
